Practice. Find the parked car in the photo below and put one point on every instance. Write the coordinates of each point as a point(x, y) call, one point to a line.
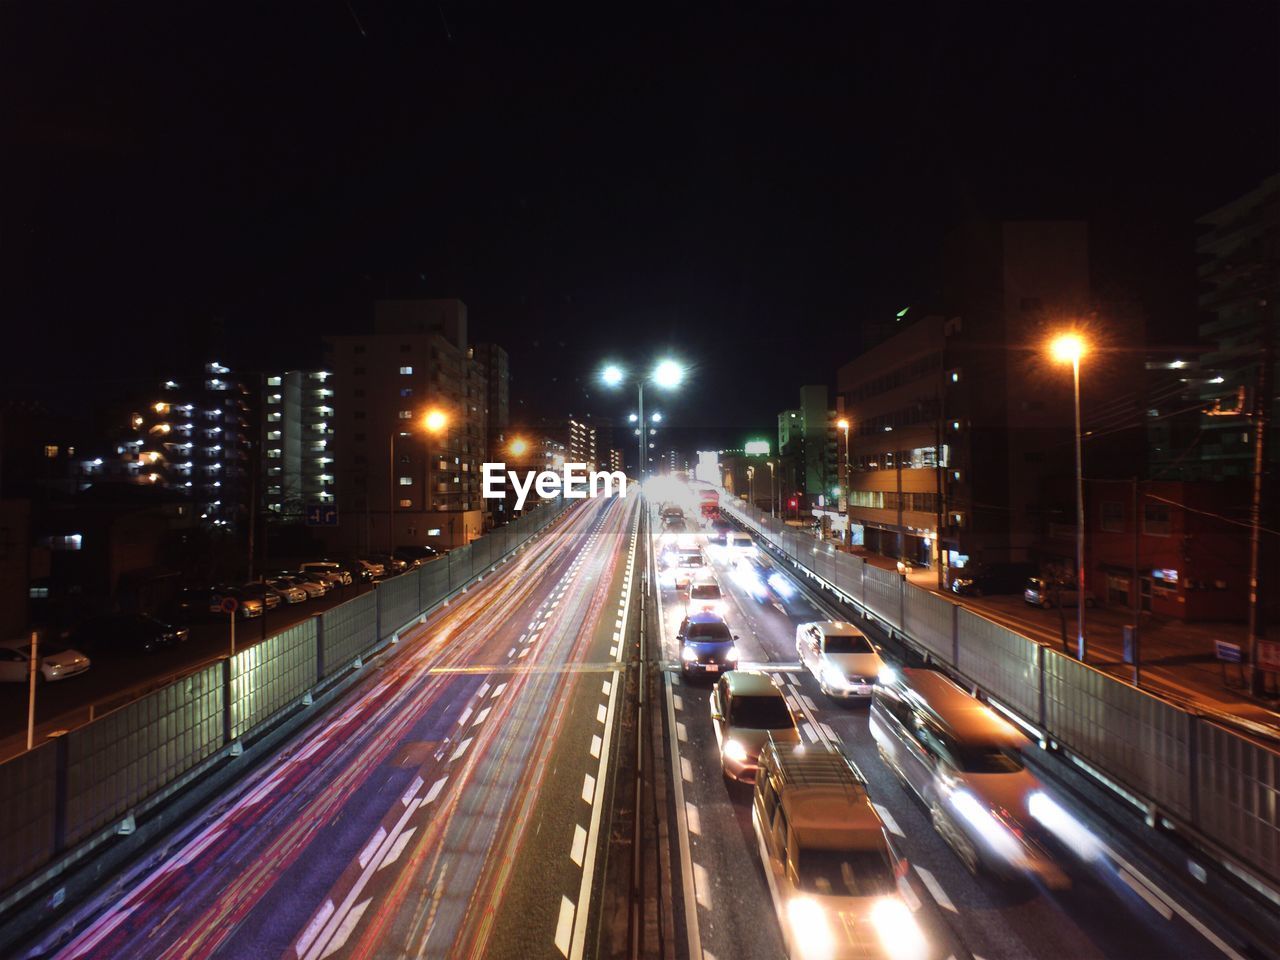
point(247, 606)
point(998, 578)
point(747, 708)
point(288, 592)
point(418, 554)
point(376, 569)
point(262, 593)
point(706, 645)
point(189, 604)
point(57, 662)
point(124, 633)
point(329, 569)
point(314, 589)
point(1046, 593)
point(360, 571)
point(841, 657)
point(391, 565)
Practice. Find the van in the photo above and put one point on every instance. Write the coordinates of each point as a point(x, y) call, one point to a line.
point(836, 881)
point(964, 763)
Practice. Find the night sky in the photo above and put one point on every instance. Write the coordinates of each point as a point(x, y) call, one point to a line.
point(744, 189)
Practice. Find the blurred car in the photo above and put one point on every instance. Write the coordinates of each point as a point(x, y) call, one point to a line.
point(288, 592)
point(391, 565)
point(765, 584)
point(1045, 593)
point(845, 663)
point(124, 633)
point(313, 588)
point(747, 708)
point(706, 596)
point(706, 645)
point(964, 762)
point(838, 885)
point(995, 579)
point(259, 591)
point(329, 570)
point(247, 606)
point(56, 662)
point(188, 604)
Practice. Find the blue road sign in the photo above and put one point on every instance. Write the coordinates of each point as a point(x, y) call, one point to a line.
point(322, 515)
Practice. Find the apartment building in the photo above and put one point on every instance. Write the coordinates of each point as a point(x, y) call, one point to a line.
point(298, 445)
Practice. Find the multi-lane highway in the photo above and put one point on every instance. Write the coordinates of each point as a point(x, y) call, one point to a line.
point(1110, 910)
point(454, 805)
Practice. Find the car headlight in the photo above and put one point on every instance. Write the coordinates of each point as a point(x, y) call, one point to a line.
point(898, 930)
point(1063, 825)
point(810, 930)
point(984, 823)
point(735, 751)
point(834, 677)
point(733, 653)
point(687, 654)
point(887, 674)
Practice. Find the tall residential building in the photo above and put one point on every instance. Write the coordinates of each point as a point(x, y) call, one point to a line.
point(298, 445)
point(807, 448)
point(582, 442)
point(958, 418)
point(411, 421)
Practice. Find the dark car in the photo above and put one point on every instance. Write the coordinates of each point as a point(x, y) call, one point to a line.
point(417, 555)
point(269, 598)
point(994, 579)
point(360, 572)
point(189, 604)
point(125, 633)
point(706, 645)
point(391, 564)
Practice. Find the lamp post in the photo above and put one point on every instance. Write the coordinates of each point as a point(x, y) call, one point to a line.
point(433, 422)
point(772, 513)
point(668, 375)
point(751, 484)
point(1069, 348)
point(843, 424)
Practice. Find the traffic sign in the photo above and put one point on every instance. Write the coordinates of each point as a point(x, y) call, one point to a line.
point(1269, 655)
point(1228, 652)
point(322, 515)
point(228, 604)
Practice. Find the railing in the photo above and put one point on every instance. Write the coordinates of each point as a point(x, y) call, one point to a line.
point(1216, 782)
point(81, 785)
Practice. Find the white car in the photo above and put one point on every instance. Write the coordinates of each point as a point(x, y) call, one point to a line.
point(845, 662)
point(328, 570)
point(706, 596)
point(15, 663)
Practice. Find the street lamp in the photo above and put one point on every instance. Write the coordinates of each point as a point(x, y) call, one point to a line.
point(772, 513)
point(843, 424)
point(1069, 348)
point(751, 485)
point(518, 447)
point(668, 374)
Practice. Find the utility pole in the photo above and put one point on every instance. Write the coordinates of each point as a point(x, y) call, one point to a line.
point(1260, 416)
point(31, 692)
point(1137, 589)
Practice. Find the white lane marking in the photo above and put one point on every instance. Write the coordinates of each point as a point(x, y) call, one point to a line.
point(831, 734)
point(613, 651)
point(595, 746)
point(466, 715)
point(1146, 893)
point(511, 653)
point(371, 847)
point(601, 713)
point(691, 814)
point(313, 928)
point(808, 703)
point(480, 717)
point(777, 678)
point(811, 733)
point(564, 926)
point(532, 638)
point(679, 703)
point(618, 623)
point(524, 652)
point(686, 769)
point(401, 842)
point(935, 889)
point(702, 886)
point(682, 733)
point(616, 636)
point(497, 690)
point(434, 791)
point(462, 748)
point(604, 688)
point(890, 824)
point(579, 844)
point(588, 787)
point(484, 688)
point(412, 791)
point(344, 931)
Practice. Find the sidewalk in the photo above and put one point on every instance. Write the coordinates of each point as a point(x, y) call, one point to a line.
point(1177, 659)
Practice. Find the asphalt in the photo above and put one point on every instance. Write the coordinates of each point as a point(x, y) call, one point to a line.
point(452, 806)
point(1106, 912)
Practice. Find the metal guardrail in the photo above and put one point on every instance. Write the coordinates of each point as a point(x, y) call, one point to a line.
point(1218, 783)
point(78, 786)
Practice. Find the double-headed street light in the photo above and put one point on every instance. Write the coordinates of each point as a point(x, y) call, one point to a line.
point(668, 375)
point(1069, 348)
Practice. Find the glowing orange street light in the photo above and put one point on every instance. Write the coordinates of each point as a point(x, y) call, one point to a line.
point(1069, 348)
point(434, 421)
point(519, 447)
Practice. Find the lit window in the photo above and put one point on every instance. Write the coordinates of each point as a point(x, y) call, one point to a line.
point(433, 532)
point(406, 414)
point(273, 381)
point(70, 541)
point(406, 481)
point(406, 370)
point(51, 451)
point(406, 503)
